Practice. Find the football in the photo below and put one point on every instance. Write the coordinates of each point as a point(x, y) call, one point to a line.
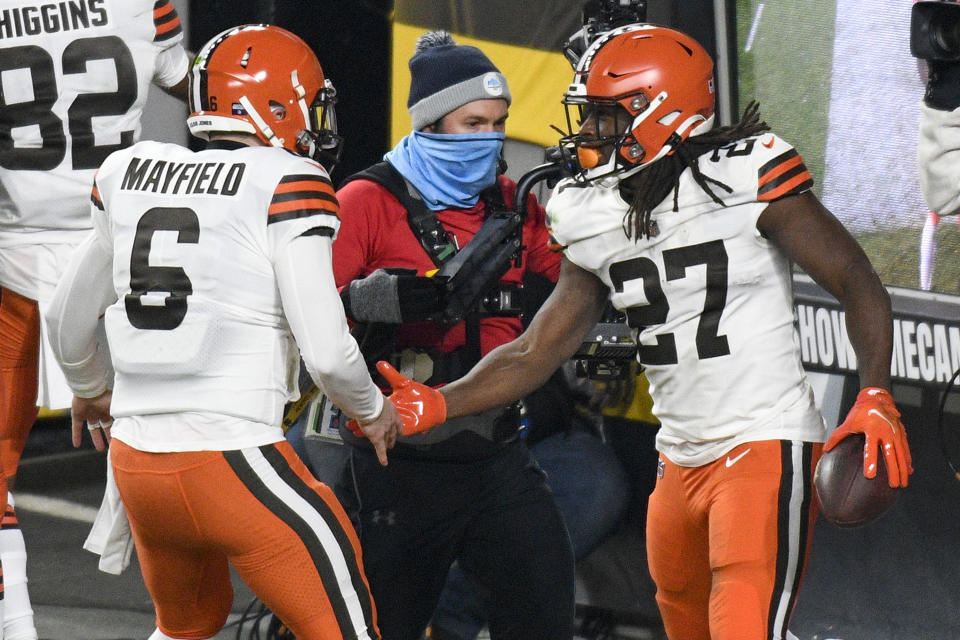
point(847, 497)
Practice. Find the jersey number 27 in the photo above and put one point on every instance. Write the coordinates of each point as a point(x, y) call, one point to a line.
point(713, 255)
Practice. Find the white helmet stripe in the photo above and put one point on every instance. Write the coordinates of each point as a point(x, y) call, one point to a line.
point(646, 113)
point(301, 93)
point(260, 122)
point(583, 66)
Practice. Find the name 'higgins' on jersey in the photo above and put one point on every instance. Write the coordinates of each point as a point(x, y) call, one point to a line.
point(52, 17)
point(182, 178)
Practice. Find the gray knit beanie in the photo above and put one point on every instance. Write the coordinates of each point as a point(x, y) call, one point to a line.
point(444, 76)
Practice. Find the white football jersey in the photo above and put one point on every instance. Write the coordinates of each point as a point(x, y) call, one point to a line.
point(194, 236)
point(709, 297)
point(75, 77)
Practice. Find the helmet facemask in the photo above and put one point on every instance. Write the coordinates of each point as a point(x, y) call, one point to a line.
point(321, 142)
point(600, 131)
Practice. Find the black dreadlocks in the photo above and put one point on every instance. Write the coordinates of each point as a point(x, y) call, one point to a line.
point(650, 186)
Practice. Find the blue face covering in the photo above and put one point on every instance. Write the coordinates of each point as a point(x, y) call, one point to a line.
point(448, 169)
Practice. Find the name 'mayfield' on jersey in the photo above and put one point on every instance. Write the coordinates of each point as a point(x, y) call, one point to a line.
point(182, 178)
point(52, 17)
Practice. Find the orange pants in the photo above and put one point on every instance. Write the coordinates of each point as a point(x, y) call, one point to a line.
point(19, 353)
point(728, 542)
point(262, 511)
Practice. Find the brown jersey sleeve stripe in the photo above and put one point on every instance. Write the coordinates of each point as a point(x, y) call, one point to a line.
point(166, 22)
point(319, 182)
point(305, 194)
point(780, 164)
point(309, 202)
point(294, 187)
point(786, 185)
point(784, 175)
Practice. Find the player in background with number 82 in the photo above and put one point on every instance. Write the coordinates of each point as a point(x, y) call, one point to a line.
point(691, 232)
point(74, 84)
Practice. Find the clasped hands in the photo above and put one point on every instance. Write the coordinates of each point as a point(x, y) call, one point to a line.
point(420, 407)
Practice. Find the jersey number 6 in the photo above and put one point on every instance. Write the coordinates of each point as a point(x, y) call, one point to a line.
point(145, 278)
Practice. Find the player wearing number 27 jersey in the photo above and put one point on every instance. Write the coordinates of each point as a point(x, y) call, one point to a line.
point(691, 232)
point(211, 268)
point(710, 296)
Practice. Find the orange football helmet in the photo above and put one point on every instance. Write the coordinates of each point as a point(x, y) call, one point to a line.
point(663, 81)
point(264, 80)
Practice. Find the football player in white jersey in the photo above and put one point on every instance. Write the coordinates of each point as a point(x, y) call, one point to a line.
point(691, 231)
point(211, 268)
point(74, 80)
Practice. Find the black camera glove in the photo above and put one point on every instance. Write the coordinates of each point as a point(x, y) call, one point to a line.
point(393, 296)
point(943, 85)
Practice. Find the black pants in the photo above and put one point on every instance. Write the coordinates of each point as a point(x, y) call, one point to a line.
point(495, 515)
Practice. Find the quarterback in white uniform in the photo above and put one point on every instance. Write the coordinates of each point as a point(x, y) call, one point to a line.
point(691, 232)
point(212, 267)
point(74, 77)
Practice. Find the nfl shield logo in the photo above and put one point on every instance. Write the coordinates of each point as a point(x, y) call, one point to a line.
point(660, 467)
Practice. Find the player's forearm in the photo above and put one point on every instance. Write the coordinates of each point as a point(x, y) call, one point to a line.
point(869, 323)
point(315, 314)
point(516, 369)
point(84, 291)
point(347, 383)
point(505, 375)
point(938, 156)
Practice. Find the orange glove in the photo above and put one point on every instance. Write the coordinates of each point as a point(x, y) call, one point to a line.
point(875, 416)
point(420, 407)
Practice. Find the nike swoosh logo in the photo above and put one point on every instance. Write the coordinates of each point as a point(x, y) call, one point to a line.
point(874, 412)
point(768, 144)
point(733, 461)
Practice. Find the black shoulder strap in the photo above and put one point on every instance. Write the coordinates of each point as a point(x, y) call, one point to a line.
point(434, 238)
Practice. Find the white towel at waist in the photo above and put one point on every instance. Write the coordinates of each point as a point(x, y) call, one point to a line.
point(110, 535)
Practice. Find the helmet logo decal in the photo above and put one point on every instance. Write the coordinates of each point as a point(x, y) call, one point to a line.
point(492, 84)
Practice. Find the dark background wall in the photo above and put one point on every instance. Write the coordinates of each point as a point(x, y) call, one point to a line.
point(352, 40)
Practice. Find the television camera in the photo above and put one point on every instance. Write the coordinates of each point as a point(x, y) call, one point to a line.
point(600, 16)
point(935, 30)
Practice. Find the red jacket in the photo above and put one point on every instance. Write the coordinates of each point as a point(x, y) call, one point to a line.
point(375, 233)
